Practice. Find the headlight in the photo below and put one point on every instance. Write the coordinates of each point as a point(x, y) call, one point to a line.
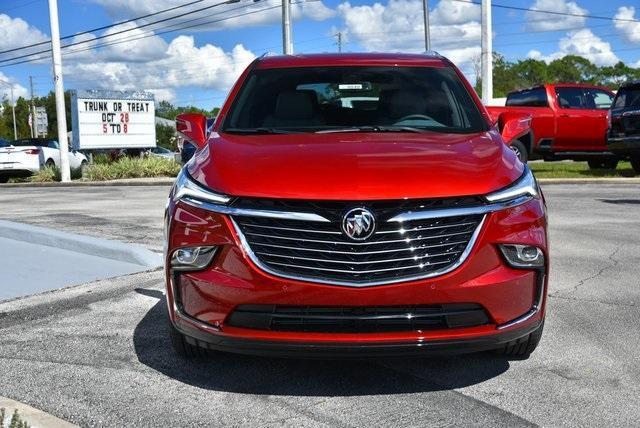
point(523, 256)
point(192, 258)
point(186, 187)
point(525, 187)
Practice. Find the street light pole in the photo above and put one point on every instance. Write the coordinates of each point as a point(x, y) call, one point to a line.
point(486, 53)
point(287, 45)
point(65, 171)
point(427, 34)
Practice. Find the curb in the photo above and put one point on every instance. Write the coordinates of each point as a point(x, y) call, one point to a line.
point(99, 247)
point(34, 417)
point(159, 181)
point(612, 180)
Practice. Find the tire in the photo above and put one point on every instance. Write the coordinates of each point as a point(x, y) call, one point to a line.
point(49, 163)
point(182, 348)
point(520, 150)
point(523, 347)
point(635, 164)
point(603, 163)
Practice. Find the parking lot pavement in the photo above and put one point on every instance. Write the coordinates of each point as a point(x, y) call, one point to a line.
point(123, 213)
point(97, 354)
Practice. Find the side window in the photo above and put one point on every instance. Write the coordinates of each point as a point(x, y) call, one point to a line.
point(536, 97)
point(571, 98)
point(600, 100)
point(53, 145)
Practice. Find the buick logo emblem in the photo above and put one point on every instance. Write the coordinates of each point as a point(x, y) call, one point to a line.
point(358, 224)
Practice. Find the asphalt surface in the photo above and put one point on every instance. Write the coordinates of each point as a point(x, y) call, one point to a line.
point(27, 268)
point(97, 354)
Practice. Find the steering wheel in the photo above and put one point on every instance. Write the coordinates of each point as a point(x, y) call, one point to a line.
point(415, 116)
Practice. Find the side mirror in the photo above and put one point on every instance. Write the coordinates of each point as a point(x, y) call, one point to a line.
point(513, 125)
point(193, 127)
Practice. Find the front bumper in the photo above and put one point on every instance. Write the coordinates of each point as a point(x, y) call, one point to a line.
point(624, 146)
point(200, 303)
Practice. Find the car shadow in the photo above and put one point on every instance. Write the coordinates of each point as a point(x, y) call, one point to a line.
point(299, 377)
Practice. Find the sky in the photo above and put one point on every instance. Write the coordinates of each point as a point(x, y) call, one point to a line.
point(197, 65)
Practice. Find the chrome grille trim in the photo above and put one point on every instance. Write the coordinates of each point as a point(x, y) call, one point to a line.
point(450, 267)
point(356, 271)
point(223, 209)
point(421, 247)
point(394, 241)
point(357, 263)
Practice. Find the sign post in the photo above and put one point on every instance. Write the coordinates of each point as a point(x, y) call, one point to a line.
point(104, 119)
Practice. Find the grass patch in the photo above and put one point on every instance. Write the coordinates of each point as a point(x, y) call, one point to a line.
point(15, 422)
point(578, 170)
point(132, 168)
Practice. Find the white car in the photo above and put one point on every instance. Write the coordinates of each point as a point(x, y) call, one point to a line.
point(22, 158)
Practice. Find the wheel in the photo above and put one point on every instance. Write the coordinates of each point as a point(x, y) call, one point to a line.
point(635, 164)
point(603, 163)
point(520, 150)
point(50, 163)
point(524, 346)
point(182, 347)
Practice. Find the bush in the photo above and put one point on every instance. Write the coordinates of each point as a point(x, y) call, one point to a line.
point(132, 168)
point(15, 422)
point(51, 174)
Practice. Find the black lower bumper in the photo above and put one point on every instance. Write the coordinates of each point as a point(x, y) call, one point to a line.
point(321, 350)
point(627, 146)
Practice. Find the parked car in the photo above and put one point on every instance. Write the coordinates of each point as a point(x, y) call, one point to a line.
point(623, 138)
point(568, 121)
point(22, 158)
point(162, 153)
point(307, 228)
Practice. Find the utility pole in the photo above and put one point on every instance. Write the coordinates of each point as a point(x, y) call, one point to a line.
point(287, 45)
point(427, 34)
point(65, 171)
point(487, 53)
point(32, 109)
point(339, 41)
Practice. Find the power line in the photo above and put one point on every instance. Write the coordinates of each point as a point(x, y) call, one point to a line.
point(550, 12)
point(152, 33)
point(122, 31)
point(104, 27)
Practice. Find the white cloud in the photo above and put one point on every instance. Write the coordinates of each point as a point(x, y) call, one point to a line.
point(123, 9)
point(582, 43)
point(180, 64)
point(5, 90)
point(398, 26)
point(630, 30)
point(537, 21)
point(15, 32)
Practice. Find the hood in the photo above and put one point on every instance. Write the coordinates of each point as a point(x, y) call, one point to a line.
point(355, 166)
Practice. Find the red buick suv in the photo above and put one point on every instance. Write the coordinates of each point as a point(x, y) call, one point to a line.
point(349, 205)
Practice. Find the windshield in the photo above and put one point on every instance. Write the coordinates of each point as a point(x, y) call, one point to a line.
point(352, 99)
point(628, 98)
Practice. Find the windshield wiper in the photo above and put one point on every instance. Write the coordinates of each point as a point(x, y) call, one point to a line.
point(377, 128)
point(257, 131)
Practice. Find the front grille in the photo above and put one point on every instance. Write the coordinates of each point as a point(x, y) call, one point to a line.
point(321, 252)
point(362, 319)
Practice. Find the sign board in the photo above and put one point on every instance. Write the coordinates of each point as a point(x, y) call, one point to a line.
point(104, 119)
point(41, 122)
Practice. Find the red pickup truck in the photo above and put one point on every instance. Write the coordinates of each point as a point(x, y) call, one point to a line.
point(568, 121)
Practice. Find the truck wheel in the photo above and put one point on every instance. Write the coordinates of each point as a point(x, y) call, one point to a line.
point(603, 163)
point(524, 346)
point(635, 164)
point(520, 150)
point(182, 347)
